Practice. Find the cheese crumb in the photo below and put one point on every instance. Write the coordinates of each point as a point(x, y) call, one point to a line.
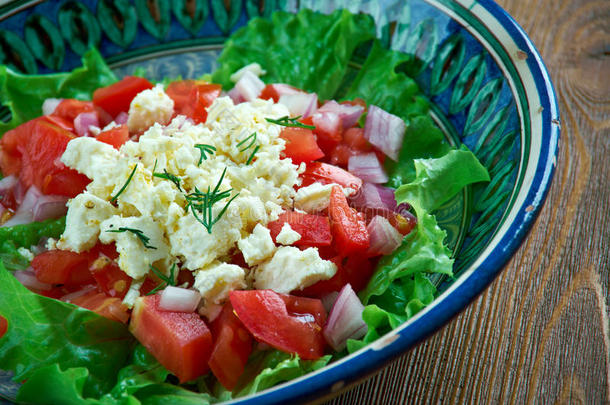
point(217, 280)
point(258, 246)
point(290, 269)
point(149, 107)
point(287, 235)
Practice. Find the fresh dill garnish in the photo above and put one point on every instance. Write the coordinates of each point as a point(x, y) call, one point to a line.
point(251, 138)
point(143, 238)
point(286, 121)
point(201, 203)
point(252, 154)
point(168, 280)
point(113, 199)
point(168, 176)
point(203, 149)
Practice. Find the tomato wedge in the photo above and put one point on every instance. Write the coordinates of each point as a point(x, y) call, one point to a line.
point(101, 304)
point(193, 97)
point(116, 136)
point(301, 145)
point(349, 230)
point(109, 277)
point(180, 341)
point(232, 347)
point(266, 315)
point(326, 174)
point(314, 229)
point(62, 267)
point(274, 91)
point(117, 97)
point(3, 326)
point(69, 108)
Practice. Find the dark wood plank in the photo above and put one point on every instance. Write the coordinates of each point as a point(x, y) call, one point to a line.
point(541, 332)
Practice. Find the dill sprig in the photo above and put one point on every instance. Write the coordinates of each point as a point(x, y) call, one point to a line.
point(286, 121)
point(251, 138)
point(168, 280)
point(113, 199)
point(143, 238)
point(168, 176)
point(203, 149)
point(201, 203)
point(252, 154)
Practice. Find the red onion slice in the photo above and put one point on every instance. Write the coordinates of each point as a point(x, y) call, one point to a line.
point(247, 88)
point(349, 114)
point(25, 212)
point(329, 300)
point(178, 299)
point(373, 196)
point(121, 118)
point(74, 295)
point(384, 237)
point(303, 104)
point(49, 105)
point(28, 279)
point(345, 319)
point(84, 121)
point(385, 131)
point(7, 184)
point(367, 167)
point(50, 206)
point(283, 89)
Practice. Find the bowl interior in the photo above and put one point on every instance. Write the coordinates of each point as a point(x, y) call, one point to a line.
point(478, 95)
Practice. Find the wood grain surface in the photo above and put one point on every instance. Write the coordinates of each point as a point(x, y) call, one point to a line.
point(541, 332)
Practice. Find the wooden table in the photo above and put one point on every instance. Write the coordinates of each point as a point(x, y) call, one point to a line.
point(541, 332)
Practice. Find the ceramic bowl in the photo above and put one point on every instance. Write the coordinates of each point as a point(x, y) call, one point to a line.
point(486, 80)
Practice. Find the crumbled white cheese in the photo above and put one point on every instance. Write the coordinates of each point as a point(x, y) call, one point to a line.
point(85, 214)
point(313, 198)
point(287, 235)
point(257, 246)
point(148, 107)
point(215, 281)
point(26, 253)
point(254, 68)
point(290, 269)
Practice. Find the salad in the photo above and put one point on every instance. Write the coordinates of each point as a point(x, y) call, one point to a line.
point(201, 240)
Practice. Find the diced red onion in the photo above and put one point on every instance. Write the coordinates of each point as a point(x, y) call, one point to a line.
point(345, 319)
point(385, 131)
point(121, 118)
point(2, 210)
point(25, 212)
point(367, 167)
point(283, 89)
point(19, 192)
point(327, 121)
point(373, 196)
point(49, 105)
point(74, 295)
point(7, 184)
point(50, 206)
point(329, 300)
point(303, 104)
point(28, 279)
point(349, 114)
point(84, 121)
point(178, 299)
point(247, 88)
point(383, 236)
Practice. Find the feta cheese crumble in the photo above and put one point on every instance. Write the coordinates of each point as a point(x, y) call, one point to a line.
point(287, 235)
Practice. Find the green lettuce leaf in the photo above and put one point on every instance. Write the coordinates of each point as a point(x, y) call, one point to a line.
point(308, 50)
point(28, 235)
point(437, 180)
point(24, 94)
point(10, 256)
point(379, 83)
point(43, 331)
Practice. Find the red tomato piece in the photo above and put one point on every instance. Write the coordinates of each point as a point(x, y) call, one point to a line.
point(314, 229)
point(3, 326)
point(62, 267)
point(355, 270)
point(66, 182)
point(349, 230)
point(69, 108)
point(274, 91)
point(193, 97)
point(232, 347)
point(180, 341)
point(301, 145)
point(108, 307)
point(326, 174)
point(116, 136)
point(109, 277)
point(265, 314)
point(302, 306)
point(117, 97)
point(185, 276)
